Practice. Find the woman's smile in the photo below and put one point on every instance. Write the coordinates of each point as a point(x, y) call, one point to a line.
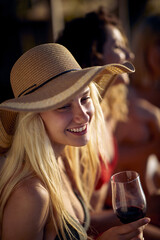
point(78, 130)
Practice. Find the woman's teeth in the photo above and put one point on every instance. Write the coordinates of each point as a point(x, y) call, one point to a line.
point(77, 129)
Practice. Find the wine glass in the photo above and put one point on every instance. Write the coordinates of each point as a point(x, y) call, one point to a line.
point(128, 199)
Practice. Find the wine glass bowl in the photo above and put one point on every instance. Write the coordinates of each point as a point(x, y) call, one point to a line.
point(128, 199)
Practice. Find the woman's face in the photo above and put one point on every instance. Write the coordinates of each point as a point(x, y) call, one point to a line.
point(115, 50)
point(69, 125)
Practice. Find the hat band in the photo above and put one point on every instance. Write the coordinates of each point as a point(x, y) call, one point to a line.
point(23, 93)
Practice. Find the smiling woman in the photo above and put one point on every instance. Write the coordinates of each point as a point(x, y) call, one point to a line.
point(72, 121)
point(49, 146)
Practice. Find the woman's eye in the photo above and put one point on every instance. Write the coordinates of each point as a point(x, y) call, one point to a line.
point(65, 107)
point(118, 47)
point(85, 99)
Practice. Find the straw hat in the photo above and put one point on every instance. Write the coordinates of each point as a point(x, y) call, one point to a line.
point(47, 77)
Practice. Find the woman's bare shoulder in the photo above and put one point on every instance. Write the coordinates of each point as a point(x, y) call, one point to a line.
point(27, 209)
point(32, 192)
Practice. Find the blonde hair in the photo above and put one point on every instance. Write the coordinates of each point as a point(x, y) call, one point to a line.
point(115, 102)
point(31, 154)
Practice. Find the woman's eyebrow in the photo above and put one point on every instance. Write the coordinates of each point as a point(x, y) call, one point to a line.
point(86, 92)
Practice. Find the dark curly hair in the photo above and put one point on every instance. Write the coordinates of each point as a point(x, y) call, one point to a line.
point(82, 33)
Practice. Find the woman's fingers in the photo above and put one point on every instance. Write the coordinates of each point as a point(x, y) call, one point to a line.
point(130, 231)
point(134, 235)
point(138, 225)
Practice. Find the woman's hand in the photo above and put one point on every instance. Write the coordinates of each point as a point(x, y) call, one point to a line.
point(130, 231)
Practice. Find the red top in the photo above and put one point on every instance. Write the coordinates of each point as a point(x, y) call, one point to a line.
point(107, 170)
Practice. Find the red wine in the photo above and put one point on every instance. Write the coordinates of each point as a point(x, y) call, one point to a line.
point(131, 214)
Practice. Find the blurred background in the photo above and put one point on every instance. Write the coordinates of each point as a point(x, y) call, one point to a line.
point(26, 23)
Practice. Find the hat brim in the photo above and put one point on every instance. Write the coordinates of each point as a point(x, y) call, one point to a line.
point(62, 89)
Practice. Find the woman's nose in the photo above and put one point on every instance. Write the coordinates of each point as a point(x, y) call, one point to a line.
point(80, 114)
